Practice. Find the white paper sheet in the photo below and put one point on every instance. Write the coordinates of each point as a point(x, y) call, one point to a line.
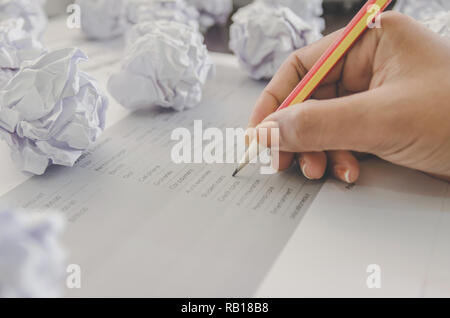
point(162, 229)
point(393, 217)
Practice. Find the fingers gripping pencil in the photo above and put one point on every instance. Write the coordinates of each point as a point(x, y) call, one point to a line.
point(360, 23)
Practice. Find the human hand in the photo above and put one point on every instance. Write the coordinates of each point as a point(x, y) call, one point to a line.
point(389, 96)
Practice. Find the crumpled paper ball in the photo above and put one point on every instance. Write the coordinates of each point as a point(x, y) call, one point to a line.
point(262, 36)
point(440, 23)
point(31, 11)
point(212, 11)
point(309, 10)
point(167, 66)
point(104, 19)
point(16, 46)
point(138, 31)
point(31, 257)
point(50, 112)
point(422, 9)
point(170, 10)
point(5, 76)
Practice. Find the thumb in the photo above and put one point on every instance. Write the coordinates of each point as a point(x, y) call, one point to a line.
point(354, 122)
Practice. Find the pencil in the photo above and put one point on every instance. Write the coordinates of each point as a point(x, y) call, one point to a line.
point(360, 23)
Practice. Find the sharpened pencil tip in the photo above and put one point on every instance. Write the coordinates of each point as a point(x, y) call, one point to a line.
point(235, 173)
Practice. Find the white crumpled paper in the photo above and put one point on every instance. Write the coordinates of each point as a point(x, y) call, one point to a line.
point(170, 10)
point(31, 11)
point(31, 258)
point(104, 19)
point(6, 75)
point(50, 112)
point(309, 10)
point(262, 36)
point(167, 66)
point(440, 23)
point(422, 9)
point(16, 46)
point(212, 11)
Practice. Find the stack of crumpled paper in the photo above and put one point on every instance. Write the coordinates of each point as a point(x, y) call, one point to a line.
point(166, 64)
point(107, 19)
point(50, 112)
point(31, 257)
point(264, 34)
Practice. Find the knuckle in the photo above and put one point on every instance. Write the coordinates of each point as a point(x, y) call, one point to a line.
point(272, 96)
point(293, 57)
point(287, 63)
point(393, 20)
point(296, 62)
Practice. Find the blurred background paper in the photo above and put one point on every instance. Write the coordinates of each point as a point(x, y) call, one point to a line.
point(55, 7)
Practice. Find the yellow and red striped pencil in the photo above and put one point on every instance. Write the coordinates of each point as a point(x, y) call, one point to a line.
point(360, 23)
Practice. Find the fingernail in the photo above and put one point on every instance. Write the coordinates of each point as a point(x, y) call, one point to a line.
point(304, 167)
point(343, 173)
